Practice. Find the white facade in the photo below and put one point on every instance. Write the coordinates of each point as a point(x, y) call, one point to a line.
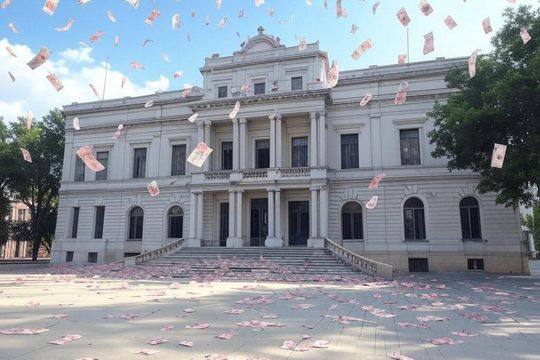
point(272, 197)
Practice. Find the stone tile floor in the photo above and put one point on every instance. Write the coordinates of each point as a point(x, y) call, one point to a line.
point(116, 318)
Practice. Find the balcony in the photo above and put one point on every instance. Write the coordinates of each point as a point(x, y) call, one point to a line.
point(257, 175)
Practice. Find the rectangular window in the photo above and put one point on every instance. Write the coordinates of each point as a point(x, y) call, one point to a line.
point(349, 151)
point(475, 264)
point(227, 155)
point(262, 154)
point(69, 256)
point(222, 92)
point(139, 163)
point(296, 83)
point(75, 222)
point(21, 214)
point(299, 152)
point(414, 224)
point(79, 169)
point(259, 88)
point(418, 265)
point(103, 158)
point(410, 147)
point(92, 257)
point(100, 219)
point(178, 163)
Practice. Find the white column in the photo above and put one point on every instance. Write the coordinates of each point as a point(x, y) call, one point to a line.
point(232, 210)
point(324, 211)
point(277, 205)
point(322, 139)
point(193, 216)
point(278, 141)
point(200, 215)
point(271, 212)
point(272, 141)
point(314, 215)
point(236, 144)
point(208, 141)
point(243, 143)
point(200, 131)
point(313, 145)
point(239, 215)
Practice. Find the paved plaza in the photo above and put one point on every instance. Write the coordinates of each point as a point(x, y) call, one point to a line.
point(425, 316)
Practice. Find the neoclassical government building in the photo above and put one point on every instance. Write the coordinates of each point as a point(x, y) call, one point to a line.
point(291, 169)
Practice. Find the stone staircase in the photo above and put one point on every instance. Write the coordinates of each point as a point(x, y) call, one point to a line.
point(237, 261)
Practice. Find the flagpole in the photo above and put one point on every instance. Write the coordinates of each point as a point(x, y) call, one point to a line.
point(408, 58)
point(105, 81)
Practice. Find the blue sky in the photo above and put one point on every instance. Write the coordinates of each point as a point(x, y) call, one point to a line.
point(77, 62)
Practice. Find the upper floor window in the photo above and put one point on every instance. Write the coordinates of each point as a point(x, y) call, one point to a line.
point(178, 162)
point(410, 147)
point(79, 169)
point(21, 214)
point(413, 218)
point(259, 88)
point(262, 154)
point(139, 163)
point(222, 92)
point(351, 221)
point(296, 83)
point(75, 222)
point(349, 151)
point(469, 211)
point(227, 155)
point(136, 218)
point(103, 158)
point(299, 152)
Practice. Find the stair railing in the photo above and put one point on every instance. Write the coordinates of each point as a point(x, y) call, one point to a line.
point(362, 263)
point(154, 254)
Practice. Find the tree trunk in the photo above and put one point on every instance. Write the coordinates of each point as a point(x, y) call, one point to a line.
point(35, 248)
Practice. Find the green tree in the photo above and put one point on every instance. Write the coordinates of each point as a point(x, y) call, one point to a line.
point(4, 196)
point(501, 104)
point(36, 184)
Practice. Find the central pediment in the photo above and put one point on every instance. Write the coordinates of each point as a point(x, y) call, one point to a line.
point(261, 42)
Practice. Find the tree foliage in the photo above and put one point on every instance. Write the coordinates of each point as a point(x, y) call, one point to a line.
point(501, 104)
point(36, 184)
point(4, 197)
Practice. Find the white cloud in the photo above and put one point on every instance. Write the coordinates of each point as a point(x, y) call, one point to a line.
point(32, 91)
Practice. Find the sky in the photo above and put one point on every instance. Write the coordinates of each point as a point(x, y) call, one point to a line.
point(77, 62)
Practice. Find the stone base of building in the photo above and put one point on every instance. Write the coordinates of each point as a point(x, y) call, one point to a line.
point(315, 243)
point(235, 242)
point(193, 243)
point(273, 242)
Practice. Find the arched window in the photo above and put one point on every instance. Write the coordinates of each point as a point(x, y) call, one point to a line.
point(136, 218)
point(469, 211)
point(351, 221)
point(413, 219)
point(176, 222)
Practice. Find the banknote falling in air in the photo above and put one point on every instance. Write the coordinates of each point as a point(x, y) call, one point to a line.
point(26, 155)
point(524, 35)
point(175, 21)
point(134, 3)
point(76, 124)
point(66, 27)
point(449, 21)
point(193, 117)
point(13, 28)
point(486, 24)
point(200, 154)
point(270, 12)
point(96, 36)
point(401, 95)
point(11, 51)
point(178, 74)
point(354, 29)
point(38, 60)
point(136, 65)
point(187, 90)
point(94, 90)
point(222, 22)
point(111, 16)
point(218, 4)
point(50, 6)
point(425, 8)
point(55, 82)
point(472, 63)
point(86, 155)
point(118, 131)
point(149, 103)
point(428, 43)
point(367, 98)
point(372, 203)
point(5, 4)
point(361, 49)
point(152, 17)
point(403, 17)
point(401, 58)
point(375, 7)
point(165, 57)
point(332, 75)
point(11, 76)
point(302, 45)
point(497, 158)
point(340, 11)
point(374, 184)
point(123, 82)
point(235, 110)
point(116, 40)
point(259, 2)
point(29, 119)
point(153, 188)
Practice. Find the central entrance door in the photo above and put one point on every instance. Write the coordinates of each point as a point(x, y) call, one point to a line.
point(223, 223)
point(259, 221)
point(298, 223)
